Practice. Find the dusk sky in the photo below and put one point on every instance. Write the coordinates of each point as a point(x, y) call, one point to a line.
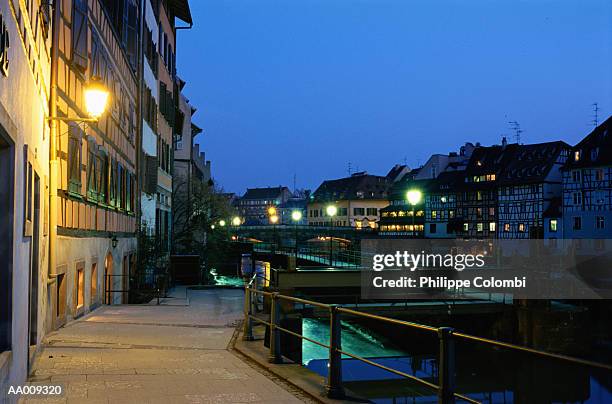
point(307, 86)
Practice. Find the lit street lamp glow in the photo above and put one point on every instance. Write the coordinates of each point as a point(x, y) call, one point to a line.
point(236, 221)
point(221, 222)
point(271, 211)
point(274, 219)
point(331, 210)
point(296, 215)
point(96, 97)
point(414, 196)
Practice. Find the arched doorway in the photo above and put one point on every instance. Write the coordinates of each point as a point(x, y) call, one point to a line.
point(108, 279)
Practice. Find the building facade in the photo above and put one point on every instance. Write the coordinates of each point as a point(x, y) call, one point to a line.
point(587, 186)
point(25, 57)
point(253, 206)
point(358, 200)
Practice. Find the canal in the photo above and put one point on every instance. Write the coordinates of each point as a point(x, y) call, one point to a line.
point(486, 374)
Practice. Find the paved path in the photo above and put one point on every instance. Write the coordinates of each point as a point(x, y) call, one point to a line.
point(173, 353)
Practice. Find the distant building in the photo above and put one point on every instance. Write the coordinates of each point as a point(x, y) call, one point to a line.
point(397, 220)
point(587, 186)
point(358, 200)
point(254, 204)
point(286, 209)
point(553, 219)
point(527, 187)
point(441, 205)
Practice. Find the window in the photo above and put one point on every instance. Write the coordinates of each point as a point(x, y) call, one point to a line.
point(93, 295)
point(74, 159)
point(92, 170)
point(492, 226)
point(521, 227)
point(599, 222)
point(577, 223)
point(577, 155)
point(552, 225)
point(112, 199)
point(79, 34)
point(506, 227)
point(491, 211)
point(372, 211)
point(479, 212)
point(434, 214)
point(432, 228)
point(359, 211)
point(343, 212)
point(466, 226)
point(599, 174)
point(577, 198)
point(451, 214)
point(576, 176)
point(479, 227)
point(479, 196)
point(102, 175)
point(80, 285)
point(443, 199)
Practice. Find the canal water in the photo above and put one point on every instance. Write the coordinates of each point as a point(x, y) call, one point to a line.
point(485, 374)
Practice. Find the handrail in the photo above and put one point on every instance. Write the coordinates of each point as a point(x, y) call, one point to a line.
point(446, 336)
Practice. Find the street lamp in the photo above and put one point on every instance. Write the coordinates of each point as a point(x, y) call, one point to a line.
point(236, 221)
point(96, 97)
point(331, 211)
point(272, 211)
point(222, 223)
point(414, 197)
point(296, 216)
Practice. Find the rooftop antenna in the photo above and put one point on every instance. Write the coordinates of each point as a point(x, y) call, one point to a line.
point(595, 120)
point(516, 127)
point(405, 160)
point(294, 183)
point(350, 168)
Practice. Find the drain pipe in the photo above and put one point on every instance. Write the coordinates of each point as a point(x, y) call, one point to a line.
point(53, 161)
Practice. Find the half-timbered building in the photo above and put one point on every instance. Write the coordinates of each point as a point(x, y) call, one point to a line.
point(96, 188)
point(527, 186)
point(587, 186)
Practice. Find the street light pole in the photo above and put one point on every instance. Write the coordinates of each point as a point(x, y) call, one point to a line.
point(414, 197)
point(331, 211)
point(296, 216)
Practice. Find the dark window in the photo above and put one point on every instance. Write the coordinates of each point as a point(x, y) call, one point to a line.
point(359, 211)
point(112, 200)
point(74, 159)
point(432, 228)
point(577, 223)
point(92, 170)
point(102, 162)
point(79, 34)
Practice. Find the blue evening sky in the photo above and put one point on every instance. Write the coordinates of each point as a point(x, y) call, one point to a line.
point(307, 86)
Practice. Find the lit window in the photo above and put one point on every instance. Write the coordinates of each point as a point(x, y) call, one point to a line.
point(492, 226)
point(599, 175)
point(479, 227)
point(479, 195)
point(434, 214)
point(577, 155)
point(553, 225)
point(521, 227)
point(443, 199)
point(507, 227)
point(466, 226)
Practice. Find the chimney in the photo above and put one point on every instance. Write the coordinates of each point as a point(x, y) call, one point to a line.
point(504, 142)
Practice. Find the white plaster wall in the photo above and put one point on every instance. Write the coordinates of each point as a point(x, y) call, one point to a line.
point(72, 250)
point(147, 211)
point(149, 140)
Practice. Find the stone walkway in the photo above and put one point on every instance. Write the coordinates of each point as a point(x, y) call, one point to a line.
point(173, 353)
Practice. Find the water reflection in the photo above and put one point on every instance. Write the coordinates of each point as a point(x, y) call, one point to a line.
point(485, 374)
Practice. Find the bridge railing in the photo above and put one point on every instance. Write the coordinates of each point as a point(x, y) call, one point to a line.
point(340, 257)
point(446, 336)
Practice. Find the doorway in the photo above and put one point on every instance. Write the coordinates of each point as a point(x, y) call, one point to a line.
point(7, 164)
point(108, 279)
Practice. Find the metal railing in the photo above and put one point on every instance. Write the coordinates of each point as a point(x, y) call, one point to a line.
point(446, 336)
point(337, 258)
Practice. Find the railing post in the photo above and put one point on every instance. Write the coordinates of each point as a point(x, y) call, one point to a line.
point(334, 372)
point(275, 343)
point(446, 367)
point(247, 330)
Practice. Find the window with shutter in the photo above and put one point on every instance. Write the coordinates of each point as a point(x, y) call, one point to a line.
point(120, 180)
point(92, 169)
point(112, 200)
point(132, 34)
point(129, 186)
point(74, 159)
point(79, 34)
point(102, 175)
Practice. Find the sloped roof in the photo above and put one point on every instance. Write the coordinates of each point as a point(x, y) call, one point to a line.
point(532, 162)
point(396, 171)
point(595, 149)
point(264, 193)
point(362, 186)
point(554, 209)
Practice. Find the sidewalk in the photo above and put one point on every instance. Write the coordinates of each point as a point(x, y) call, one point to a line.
point(173, 353)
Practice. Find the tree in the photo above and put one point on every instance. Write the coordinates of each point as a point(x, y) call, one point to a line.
point(196, 206)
